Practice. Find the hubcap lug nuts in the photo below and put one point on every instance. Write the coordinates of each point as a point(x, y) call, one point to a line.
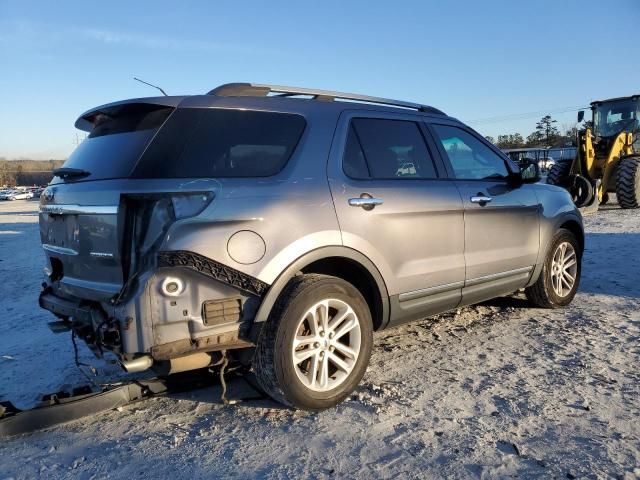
point(331, 335)
point(316, 345)
point(322, 333)
point(332, 348)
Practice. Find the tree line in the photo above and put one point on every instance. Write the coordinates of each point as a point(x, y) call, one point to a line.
point(546, 135)
point(27, 172)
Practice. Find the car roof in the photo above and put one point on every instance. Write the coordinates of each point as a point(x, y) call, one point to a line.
point(269, 97)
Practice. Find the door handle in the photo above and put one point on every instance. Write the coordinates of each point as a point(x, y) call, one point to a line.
point(481, 199)
point(365, 201)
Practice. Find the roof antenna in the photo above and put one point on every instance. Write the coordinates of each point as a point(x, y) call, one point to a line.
point(151, 85)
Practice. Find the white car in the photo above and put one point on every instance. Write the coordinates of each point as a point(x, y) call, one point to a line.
point(16, 195)
point(547, 163)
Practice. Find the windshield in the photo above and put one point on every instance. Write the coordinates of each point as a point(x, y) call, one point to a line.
point(611, 118)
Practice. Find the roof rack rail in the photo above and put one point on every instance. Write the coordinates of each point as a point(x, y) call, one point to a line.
point(262, 90)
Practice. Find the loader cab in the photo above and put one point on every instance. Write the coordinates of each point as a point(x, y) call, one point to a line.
point(615, 116)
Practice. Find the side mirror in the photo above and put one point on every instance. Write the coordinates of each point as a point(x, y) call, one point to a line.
point(580, 116)
point(530, 172)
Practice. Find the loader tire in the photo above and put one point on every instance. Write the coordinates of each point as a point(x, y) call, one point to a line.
point(559, 174)
point(628, 182)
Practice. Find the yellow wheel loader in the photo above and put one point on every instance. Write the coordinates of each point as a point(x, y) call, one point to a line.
point(608, 157)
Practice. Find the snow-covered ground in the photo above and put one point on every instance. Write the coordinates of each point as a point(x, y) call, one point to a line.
point(490, 391)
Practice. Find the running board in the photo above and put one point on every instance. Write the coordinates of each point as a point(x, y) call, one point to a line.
point(63, 407)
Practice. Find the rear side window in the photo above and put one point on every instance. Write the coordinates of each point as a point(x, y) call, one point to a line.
point(221, 143)
point(469, 157)
point(118, 138)
point(386, 149)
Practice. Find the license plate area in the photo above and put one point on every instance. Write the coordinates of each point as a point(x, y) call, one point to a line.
point(62, 231)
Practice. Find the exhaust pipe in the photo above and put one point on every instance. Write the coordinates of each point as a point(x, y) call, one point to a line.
point(194, 361)
point(139, 364)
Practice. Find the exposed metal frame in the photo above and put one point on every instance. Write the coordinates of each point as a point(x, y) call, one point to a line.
point(263, 90)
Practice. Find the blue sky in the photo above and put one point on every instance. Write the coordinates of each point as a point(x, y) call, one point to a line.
point(473, 59)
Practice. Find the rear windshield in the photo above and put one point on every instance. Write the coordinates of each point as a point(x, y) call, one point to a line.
point(117, 140)
point(221, 143)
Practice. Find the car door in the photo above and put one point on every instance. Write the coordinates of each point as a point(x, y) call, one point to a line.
point(501, 217)
point(395, 205)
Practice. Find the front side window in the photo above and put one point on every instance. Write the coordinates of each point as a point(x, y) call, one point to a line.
point(386, 149)
point(469, 157)
point(219, 143)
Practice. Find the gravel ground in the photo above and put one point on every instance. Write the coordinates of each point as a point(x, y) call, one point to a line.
point(490, 391)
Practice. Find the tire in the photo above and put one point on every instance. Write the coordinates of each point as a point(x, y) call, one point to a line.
point(559, 174)
point(543, 293)
point(294, 384)
point(628, 182)
point(605, 199)
point(582, 192)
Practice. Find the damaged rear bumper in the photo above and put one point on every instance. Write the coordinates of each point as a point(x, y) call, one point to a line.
point(187, 305)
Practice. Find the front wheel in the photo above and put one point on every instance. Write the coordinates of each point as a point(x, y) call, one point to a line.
point(560, 276)
point(316, 344)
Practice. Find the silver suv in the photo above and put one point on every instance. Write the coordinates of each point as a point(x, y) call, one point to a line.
point(283, 226)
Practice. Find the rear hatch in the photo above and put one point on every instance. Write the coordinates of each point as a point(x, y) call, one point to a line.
point(144, 165)
point(81, 215)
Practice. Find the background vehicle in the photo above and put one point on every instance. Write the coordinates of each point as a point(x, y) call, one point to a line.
point(286, 228)
point(16, 195)
point(608, 158)
point(546, 157)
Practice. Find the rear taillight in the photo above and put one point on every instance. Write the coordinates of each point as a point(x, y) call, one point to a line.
point(190, 204)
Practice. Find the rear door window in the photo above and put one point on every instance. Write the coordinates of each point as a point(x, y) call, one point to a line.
point(386, 149)
point(221, 143)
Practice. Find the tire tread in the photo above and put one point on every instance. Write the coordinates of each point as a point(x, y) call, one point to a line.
point(559, 174)
point(627, 182)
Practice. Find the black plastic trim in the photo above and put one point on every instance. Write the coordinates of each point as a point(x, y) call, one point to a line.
point(213, 269)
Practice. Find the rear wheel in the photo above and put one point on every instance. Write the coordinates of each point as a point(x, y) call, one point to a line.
point(316, 344)
point(628, 182)
point(560, 277)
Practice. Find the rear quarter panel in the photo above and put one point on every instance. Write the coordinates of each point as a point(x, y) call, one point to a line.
point(292, 211)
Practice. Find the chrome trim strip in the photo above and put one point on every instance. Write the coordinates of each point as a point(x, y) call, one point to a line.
point(497, 276)
point(60, 250)
point(423, 292)
point(79, 209)
point(101, 254)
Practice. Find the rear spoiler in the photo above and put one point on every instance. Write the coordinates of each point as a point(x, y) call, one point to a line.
point(85, 121)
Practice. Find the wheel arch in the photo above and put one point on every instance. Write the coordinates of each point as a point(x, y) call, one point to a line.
point(576, 228)
point(338, 261)
point(568, 221)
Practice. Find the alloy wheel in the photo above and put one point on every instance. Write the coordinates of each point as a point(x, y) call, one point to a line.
point(327, 344)
point(564, 269)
